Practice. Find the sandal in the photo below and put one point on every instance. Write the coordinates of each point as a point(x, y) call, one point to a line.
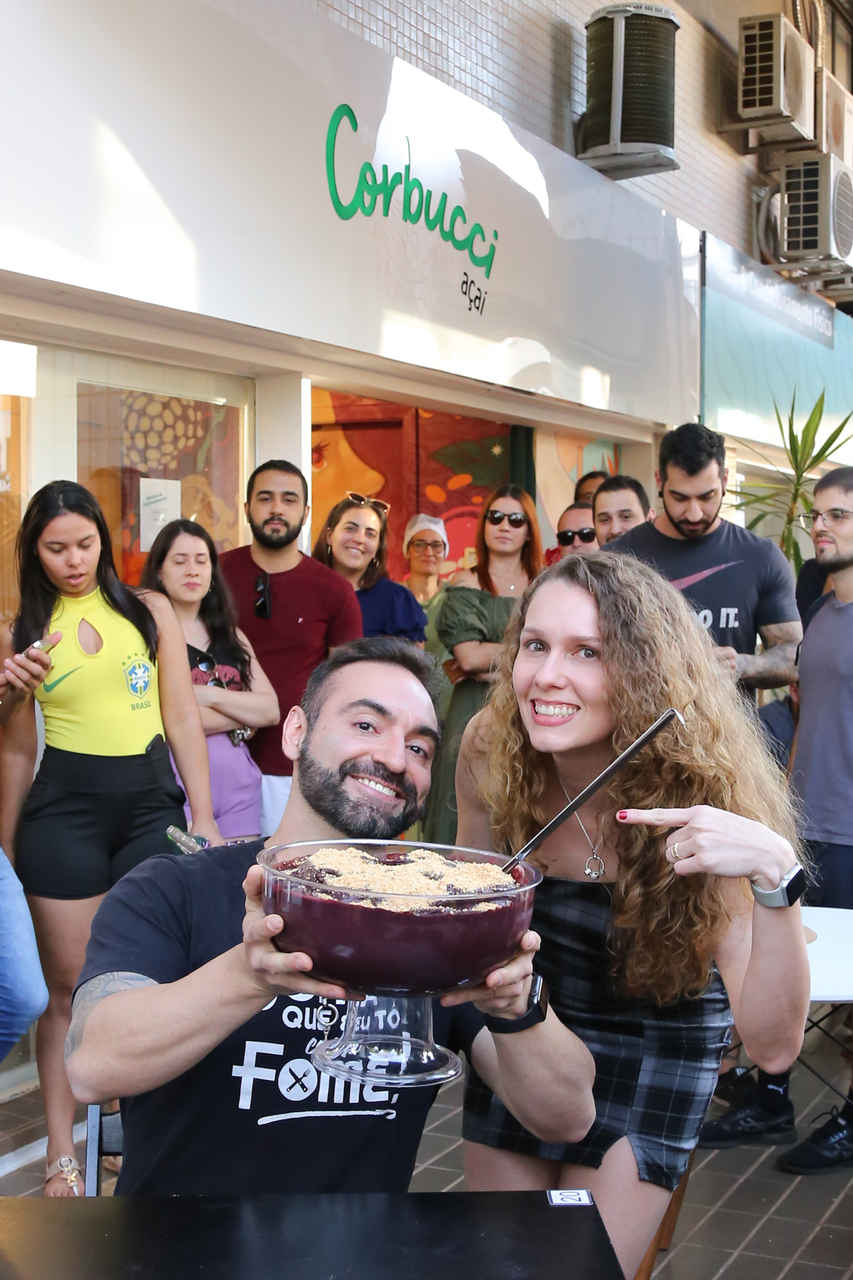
point(67, 1168)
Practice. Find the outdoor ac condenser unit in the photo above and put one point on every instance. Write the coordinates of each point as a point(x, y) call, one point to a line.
point(628, 127)
point(776, 78)
point(833, 116)
point(817, 208)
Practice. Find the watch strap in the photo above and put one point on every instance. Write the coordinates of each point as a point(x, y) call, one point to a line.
point(537, 1011)
point(789, 890)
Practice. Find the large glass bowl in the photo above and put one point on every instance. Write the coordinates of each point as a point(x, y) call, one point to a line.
point(390, 943)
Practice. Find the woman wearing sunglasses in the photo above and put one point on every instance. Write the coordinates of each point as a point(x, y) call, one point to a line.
point(354, 543)
point(233, 693)
point(477, 607)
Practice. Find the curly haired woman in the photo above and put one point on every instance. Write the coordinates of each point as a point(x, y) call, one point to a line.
point(653, 934)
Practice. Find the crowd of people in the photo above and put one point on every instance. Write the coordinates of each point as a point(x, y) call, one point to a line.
point(269, 694)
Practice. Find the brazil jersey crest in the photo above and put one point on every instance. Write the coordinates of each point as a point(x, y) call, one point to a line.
point(137, 675)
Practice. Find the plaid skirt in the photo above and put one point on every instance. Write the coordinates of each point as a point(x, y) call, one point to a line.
point(655, 1066)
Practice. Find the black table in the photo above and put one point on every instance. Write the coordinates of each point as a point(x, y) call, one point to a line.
point(416, 1236)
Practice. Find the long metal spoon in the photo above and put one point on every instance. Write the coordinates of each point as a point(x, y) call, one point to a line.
point(590, 790)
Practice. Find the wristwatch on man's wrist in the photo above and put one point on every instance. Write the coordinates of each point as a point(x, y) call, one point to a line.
point(537, 1009)
point(789, 890)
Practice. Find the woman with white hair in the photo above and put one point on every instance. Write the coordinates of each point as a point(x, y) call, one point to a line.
point(426, 546)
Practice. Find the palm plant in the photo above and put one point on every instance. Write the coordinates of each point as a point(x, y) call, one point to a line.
point(788, 495)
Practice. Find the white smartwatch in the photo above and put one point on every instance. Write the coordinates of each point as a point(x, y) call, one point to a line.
point(789, 890)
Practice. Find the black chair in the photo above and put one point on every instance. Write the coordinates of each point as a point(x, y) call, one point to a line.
point(104, 1137)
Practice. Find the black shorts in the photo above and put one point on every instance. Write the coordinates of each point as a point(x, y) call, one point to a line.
point(833, 868)
point(89, 819)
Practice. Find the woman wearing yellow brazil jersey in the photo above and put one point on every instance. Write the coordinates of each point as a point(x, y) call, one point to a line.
point(118, 685)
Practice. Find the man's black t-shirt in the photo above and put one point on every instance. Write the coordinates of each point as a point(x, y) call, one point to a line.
point(253, 1116)
point(736, 581)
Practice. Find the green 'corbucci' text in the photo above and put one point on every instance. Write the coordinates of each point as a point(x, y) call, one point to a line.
point(371, 188)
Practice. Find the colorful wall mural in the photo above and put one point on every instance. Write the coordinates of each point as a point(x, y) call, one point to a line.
point(560, 461)
point(417, 460)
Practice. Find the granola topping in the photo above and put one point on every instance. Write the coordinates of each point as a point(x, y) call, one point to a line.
point(426, 878)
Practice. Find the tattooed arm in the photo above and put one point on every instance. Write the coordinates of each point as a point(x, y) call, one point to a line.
point(130, 1034)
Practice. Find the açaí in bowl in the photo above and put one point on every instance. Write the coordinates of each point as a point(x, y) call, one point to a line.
point(397, 933)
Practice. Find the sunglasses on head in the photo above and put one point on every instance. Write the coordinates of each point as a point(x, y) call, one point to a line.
point(567, 536)
point(263, 598)
point(381, 508)
point(515, 518)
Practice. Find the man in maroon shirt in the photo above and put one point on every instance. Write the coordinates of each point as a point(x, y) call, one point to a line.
point(293, 609)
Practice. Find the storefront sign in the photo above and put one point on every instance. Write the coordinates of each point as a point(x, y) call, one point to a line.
point(413, 201)
point(292, 177)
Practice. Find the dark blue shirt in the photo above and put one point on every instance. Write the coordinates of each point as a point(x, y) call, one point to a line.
point(389, 609)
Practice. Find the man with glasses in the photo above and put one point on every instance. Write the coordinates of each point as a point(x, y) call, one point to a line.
point(822, 776)
point(740, 585)
point(575, 530)
point(293, 609)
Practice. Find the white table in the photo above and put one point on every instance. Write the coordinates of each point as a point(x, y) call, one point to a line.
point(830, 955)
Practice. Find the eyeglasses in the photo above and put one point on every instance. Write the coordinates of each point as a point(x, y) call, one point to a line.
point(567, 536)
point(515, 518)
point(419, 544)
point(831, 518)
point(263, 596)
point(381, 508)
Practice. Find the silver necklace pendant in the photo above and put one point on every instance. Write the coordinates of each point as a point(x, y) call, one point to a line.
point(594, 866)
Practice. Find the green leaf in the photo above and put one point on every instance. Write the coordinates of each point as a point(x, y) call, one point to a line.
point(809, 432)
point(747, 444)
point(793, 446)
point(831, 445)
point(756, 520)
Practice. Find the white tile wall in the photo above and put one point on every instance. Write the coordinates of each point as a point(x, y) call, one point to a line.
point(527, 60)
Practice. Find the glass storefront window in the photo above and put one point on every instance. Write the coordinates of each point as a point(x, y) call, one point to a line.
point(150, 457)
point(13, 419)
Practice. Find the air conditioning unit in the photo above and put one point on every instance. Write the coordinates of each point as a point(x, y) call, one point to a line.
point(628, 127)
point(775, 92)
point(816, 213)
point(833, 116)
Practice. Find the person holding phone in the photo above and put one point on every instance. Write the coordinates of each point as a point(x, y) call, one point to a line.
point(233, 693)
point(117, 687)
point(670, 899)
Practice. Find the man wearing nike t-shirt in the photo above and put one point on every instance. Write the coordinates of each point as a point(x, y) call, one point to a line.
point(740, 585)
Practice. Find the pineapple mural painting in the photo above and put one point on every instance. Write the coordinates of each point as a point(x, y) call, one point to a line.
point(159, 429)
point(124, 435)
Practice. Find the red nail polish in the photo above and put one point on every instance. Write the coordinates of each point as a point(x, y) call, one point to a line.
point(622, 815)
